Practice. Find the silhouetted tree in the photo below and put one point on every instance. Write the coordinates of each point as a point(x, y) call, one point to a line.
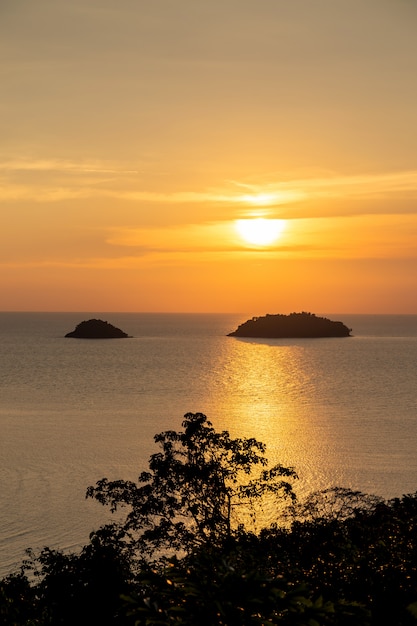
point(347, 559)
point(58, 589)
point(194, 488)
point(213, 590)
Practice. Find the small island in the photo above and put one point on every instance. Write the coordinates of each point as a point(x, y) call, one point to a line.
point(96, 329)
point(294, 325)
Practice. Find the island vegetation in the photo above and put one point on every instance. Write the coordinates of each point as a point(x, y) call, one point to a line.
point(96, 329)
point(187, 551)
point(294, 325)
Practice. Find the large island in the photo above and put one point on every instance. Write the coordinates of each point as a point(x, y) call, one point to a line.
point(294, 325)
point(96, 329)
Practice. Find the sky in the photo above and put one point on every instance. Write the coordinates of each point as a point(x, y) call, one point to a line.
point(143, 143)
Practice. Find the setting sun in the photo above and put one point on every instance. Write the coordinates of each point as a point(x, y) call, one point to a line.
point(260, 231)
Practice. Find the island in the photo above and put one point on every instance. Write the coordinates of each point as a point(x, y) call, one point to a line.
point(96, 329)
point(294, 325)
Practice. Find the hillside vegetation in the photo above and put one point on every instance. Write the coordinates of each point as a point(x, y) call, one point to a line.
point(186, 553)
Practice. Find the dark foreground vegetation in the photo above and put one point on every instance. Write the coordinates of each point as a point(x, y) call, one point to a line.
point(186, 552)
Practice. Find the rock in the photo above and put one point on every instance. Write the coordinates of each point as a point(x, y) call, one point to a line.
point(96, 329)
point(295, 325)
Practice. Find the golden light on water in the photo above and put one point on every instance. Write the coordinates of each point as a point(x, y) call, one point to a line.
point(260, 231)
point(266, 389)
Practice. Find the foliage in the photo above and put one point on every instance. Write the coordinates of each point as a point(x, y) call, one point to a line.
point(368, 556)
point(333, 503)
point(54, 588)
point(17, 601)
point(196, 486)
point(347, 559)
point(212, 590)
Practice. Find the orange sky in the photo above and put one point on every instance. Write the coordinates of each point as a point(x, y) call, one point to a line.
point(135, 134)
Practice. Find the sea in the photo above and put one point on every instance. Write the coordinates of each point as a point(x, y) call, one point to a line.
point(341, 411)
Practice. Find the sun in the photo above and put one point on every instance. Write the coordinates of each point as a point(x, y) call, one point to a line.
point(260, 231)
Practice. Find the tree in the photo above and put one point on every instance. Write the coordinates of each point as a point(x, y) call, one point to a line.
point(56, 588)
point(333, 503)
point(210, 590)
point(195, 488)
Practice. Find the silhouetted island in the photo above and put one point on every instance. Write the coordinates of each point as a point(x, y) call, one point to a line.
point(294, 325)
point(96, 329)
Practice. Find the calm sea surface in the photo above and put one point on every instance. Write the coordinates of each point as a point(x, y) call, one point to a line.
point(341, 411)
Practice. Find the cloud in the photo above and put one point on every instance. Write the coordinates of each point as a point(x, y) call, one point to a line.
point(332, 185)
point(326, 195)
point(57, 165)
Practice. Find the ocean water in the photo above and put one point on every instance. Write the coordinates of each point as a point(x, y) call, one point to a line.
point(341, 411)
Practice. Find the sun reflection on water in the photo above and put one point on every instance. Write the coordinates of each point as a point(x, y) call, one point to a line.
point(264, 389)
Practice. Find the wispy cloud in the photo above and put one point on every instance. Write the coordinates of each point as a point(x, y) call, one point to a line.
point(66, 180)
point(57, 165)
point(334, 185)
